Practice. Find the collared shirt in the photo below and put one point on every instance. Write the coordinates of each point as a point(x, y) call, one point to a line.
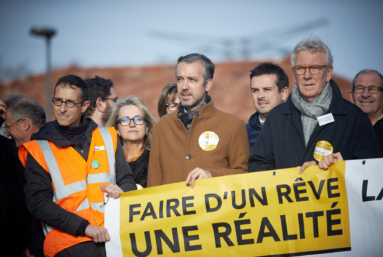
point(261, 121)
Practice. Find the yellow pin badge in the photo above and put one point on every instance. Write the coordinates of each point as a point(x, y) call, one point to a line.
point(322, 149)
point(208, 140)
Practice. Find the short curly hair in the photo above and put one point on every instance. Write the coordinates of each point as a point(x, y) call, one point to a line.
point(98, 88)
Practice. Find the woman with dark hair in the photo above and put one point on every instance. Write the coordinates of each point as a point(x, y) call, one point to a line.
point(134, 125)
point(169, 100)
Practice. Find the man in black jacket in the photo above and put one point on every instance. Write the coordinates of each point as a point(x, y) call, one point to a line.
point(23, 117)
point(52, 207)
point(14, 217)
point(315, 124)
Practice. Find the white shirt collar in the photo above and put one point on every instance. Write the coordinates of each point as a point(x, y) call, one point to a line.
point(260, 120)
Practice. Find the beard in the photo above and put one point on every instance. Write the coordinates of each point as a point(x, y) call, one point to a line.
point(106, 114)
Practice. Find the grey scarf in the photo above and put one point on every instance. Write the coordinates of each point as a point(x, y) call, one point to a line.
point(310, 111)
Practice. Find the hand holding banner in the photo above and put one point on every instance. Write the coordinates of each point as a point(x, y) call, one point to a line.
point(266, 213)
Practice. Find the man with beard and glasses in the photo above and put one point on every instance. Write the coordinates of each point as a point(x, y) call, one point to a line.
point(269, 86)
point(197, 141)
point(102, 97)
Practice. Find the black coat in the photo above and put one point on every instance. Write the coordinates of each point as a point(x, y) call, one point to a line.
point(14, 216)
point(14, 213)
point(281, 142)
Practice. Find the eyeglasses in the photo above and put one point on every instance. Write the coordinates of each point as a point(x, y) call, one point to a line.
point(68, 103)
point(113, 99)
point(172, 106)
point(126, 121)
point(314, 69)
point(371, 89)
point(8, 127)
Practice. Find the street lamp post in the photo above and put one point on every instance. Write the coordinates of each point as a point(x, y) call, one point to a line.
point(48, 33)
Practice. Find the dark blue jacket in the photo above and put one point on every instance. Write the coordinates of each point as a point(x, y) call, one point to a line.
point(281, 142)
point(253, 128)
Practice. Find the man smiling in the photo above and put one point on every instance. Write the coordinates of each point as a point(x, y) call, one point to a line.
point(198, 141)
point(315, 124)
point(366, 93)
point(23, 118)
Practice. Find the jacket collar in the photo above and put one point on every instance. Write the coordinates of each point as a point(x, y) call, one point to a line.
point(204, 111)
point(337, 105)
point(49, 132)
point(254, 121)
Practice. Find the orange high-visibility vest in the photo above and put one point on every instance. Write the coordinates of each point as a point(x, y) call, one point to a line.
point(75, 182)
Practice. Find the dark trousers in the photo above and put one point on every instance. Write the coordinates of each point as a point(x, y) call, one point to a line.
point(89, 248)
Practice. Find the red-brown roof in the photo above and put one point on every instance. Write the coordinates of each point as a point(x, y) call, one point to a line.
point(230, 92)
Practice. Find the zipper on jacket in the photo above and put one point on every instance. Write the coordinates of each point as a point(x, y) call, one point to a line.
point(82, 145)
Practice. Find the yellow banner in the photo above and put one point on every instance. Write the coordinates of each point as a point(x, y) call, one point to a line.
point(256, 214)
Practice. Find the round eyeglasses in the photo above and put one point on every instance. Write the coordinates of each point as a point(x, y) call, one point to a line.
point(126, 121)
point(314, 69)
point(68, 103)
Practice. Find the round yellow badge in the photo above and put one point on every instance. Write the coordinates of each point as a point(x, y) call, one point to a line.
point(322, 149)
point(208, 140)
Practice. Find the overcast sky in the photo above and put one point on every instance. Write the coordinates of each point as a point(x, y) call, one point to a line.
point(138, 33)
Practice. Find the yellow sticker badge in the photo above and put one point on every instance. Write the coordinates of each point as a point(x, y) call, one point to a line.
point(208, 140)
point(322, 149)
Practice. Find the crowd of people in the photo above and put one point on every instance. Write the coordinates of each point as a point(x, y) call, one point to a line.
point(56, 176)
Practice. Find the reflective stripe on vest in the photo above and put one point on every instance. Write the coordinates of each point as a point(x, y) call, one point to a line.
point(108, 141)
point(85, 205)
point(46, 229)
point(62, 190)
